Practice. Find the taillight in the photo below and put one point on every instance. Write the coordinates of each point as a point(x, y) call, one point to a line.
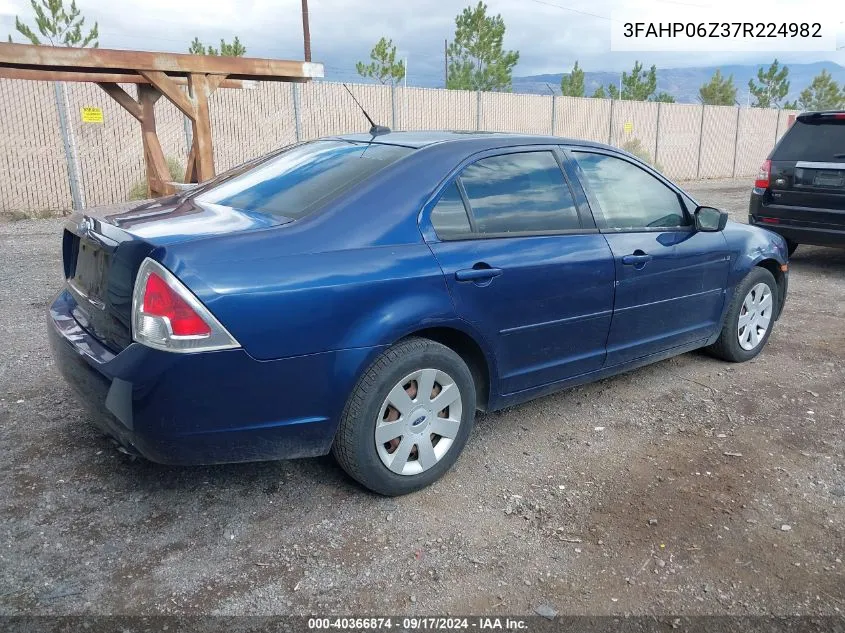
point(762, 181)
point(160, 300)
point(167, 316)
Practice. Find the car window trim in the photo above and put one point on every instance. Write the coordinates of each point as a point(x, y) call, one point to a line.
point(473, 228)
point(455, 176)
point(515, 234)
point(595, 205)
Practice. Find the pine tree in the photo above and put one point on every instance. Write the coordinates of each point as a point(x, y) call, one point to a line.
point(572, 85)
point(719, 90)
point(477, 60)
point(57, 26)
point(384, 68)
point(772, 87)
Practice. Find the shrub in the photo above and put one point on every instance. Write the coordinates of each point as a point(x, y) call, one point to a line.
point(634, 146)
point(177, 174)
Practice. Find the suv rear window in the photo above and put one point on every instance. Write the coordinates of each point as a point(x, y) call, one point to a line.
point(817, 141)
point(296, 181)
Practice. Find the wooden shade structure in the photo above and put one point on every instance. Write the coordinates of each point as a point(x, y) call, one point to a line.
point(157, 75)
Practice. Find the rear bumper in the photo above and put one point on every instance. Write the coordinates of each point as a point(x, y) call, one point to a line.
point(794, 230)
point(205, 408)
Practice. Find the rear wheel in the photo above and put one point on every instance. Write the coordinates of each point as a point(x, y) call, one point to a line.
point(407, 419)
point(750, 318)
point(791, 246)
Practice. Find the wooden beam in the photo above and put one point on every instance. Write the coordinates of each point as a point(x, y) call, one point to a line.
point(158, 175)
point(109, 60)
point(214, 82)
point(32, 74)
point(204, 154)
point(124, 99)
point(173, 93)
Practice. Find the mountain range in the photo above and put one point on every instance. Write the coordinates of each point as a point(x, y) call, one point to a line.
point(683, 83)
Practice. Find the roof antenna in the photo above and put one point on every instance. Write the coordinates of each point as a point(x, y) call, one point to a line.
point(375, 130)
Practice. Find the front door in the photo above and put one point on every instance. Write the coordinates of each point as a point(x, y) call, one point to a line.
point(523, 268)
point(671, 279)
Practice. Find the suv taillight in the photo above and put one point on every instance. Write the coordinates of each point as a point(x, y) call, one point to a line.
point(762, 181)
point(167, 316)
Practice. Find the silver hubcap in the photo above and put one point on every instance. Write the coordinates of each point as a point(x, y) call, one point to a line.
point(418, 421)
point(755, 316)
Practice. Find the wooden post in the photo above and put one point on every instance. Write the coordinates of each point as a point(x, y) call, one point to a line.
point(204, 156)
point(158, 175)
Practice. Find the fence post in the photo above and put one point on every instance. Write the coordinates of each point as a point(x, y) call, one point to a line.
point(66, 128)
point(554, 115)
point(777, 127)
point(736, 142)
point(657, 132)
point(392, 106)
point(700, 143)
point(189, 133)
point(296, 122)
point(610, 125)
point(478, 110)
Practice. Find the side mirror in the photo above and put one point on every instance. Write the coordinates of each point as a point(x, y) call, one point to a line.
point(710, 219)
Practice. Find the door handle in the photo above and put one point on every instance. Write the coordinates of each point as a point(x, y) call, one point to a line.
point(637, 259)
point(477, 274)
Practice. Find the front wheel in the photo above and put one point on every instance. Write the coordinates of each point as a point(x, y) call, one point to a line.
point(407, 419)
point(750, 318)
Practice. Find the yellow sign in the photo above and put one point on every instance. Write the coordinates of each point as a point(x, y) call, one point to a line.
point(628, 127)
point(92, 115)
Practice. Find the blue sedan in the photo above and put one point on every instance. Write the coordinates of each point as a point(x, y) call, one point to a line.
point(366, 295)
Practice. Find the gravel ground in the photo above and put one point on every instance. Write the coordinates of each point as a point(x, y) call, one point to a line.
point(687, 487)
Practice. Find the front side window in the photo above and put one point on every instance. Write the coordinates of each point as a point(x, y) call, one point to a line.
point(298, 180)
point(630, 197)
point(521, 192)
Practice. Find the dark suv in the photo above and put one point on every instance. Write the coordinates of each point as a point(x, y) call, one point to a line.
point(800, 190)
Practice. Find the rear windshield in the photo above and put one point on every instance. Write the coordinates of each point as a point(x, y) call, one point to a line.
point(813, 141)
point(297, 180)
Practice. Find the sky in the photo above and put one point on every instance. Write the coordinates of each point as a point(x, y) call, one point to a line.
point(549, 34)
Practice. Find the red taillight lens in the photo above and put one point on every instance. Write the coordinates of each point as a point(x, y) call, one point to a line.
point(762, 180)
point(770, 220)
point(839, 115)
point(162, 301)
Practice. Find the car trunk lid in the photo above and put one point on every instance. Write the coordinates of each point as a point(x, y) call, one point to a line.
point(102, 251)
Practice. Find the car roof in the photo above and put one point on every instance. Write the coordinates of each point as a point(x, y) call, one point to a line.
point(473, 140)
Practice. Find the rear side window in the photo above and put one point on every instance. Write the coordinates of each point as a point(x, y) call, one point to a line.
point(449, 216)
point(300, 179)
point(813, 141)
point(522, 192)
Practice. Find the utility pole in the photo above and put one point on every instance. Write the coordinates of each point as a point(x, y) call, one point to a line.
point(306, 31)
point(445, 63)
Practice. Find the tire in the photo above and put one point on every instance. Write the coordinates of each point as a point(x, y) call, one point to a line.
point(791, 246)
point(728, 346)
point(371, 406)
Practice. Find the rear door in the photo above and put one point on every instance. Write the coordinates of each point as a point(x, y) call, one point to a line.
point(808, 172)
point(670, 279)
point(524, 265)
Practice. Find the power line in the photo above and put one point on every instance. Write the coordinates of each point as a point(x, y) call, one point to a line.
point(594, 15)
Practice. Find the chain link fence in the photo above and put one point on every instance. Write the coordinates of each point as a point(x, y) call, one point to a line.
point(53, 161)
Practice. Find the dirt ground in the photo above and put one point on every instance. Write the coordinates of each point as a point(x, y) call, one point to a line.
point(688, 487)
